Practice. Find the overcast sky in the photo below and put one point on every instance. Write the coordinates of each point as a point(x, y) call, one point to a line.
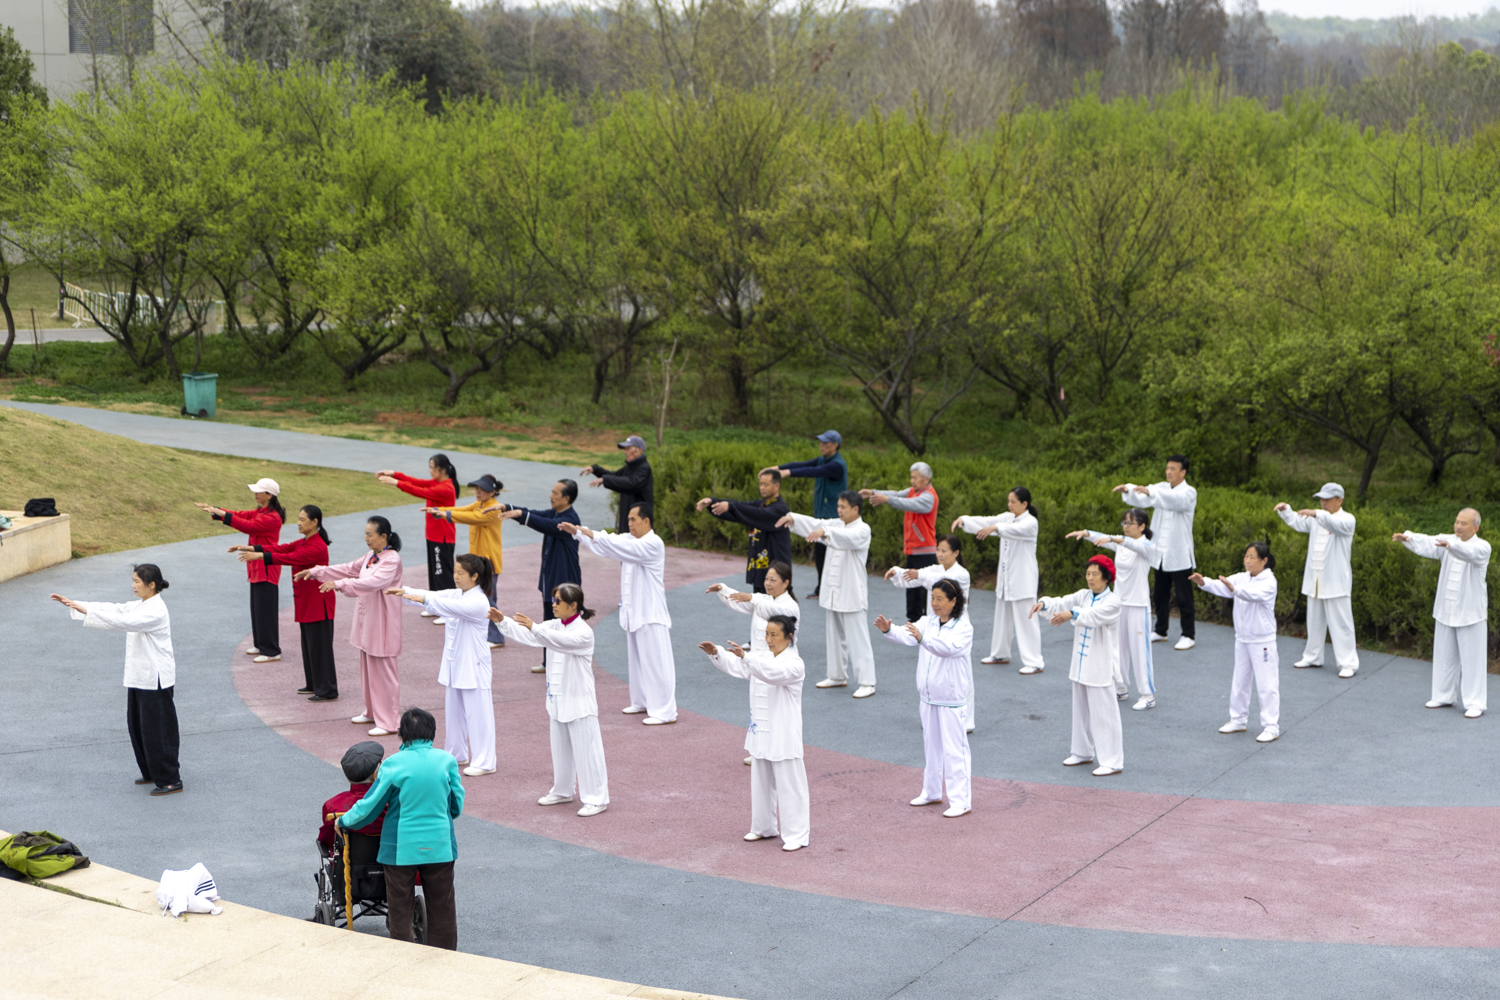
point(1377, 8)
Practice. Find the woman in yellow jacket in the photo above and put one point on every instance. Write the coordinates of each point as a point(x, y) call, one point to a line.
point(483, 518)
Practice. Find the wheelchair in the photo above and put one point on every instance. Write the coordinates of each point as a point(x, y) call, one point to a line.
point(368, 876)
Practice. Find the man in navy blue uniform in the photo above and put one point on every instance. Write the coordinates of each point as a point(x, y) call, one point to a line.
point(559, 549)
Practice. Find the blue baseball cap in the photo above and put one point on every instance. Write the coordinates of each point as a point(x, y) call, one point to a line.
point(833, 436)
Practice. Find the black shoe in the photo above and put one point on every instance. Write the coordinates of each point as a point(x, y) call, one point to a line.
point(318, 697)
point(812, 595)
point(167, 789)
point(145, 781)
point(304, 691)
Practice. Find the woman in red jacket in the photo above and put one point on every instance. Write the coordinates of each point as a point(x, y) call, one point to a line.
point(313, 609)
point(439, 491)
point(263, 525)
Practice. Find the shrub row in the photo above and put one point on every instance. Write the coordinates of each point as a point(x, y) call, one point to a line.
point(1393, 588)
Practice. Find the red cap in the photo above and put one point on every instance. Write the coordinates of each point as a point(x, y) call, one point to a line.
point(1106, 564)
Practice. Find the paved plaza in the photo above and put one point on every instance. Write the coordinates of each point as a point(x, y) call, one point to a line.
point(1354, 857)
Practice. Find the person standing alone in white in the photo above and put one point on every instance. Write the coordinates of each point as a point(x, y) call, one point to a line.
point(1172, 527)
point(643, 612)
point(1134, 552)
point(1328, 578)
point(1461, 610)
point(1094, 613)
point(1255, 652)
point(1016, 579)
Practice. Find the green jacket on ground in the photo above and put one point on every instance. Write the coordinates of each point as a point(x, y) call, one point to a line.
point(420, 788)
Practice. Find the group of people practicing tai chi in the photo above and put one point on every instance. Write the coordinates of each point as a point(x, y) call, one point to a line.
point(1110, 617)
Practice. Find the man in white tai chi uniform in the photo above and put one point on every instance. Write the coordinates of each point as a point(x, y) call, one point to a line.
point(843, 592)
point(1328, 578)
point(643, 612)
point(1461, 609)
point(1175, 502)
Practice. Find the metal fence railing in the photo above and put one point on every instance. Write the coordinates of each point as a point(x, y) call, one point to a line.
point(83, 304)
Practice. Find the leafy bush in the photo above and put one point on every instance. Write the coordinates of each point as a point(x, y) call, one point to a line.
point(1393, 588)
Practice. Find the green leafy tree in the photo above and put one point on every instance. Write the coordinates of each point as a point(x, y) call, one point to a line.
point(22, 159)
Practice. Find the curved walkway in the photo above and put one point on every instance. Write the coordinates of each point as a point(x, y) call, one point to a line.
point(660, 890)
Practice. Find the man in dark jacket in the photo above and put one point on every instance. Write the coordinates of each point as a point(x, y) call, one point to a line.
point(768, 543)
point(633, 482)
point(559, 549)
point(830, 475)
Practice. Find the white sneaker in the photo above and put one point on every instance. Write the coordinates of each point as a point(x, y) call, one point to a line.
point(1185, 643)
point(919, 801)
point(791, 847)
point(748, 760)
point(1104, 772)
point(440, 621)
point(361, 720)
point(953, 812)
point(263, 658)
point(428, 614)
point(1122, 696)
point(1440, 704)
point(540, 668)
point(1233, 727)
point(1348, 672)
point(553, 800)
point(753, 837)
point(968, 731)
point(1073, 760)
point(252, 651)
point(377, 731)
point(652, 720)
point(864, 690)
point(1029, 670)
point(1473, 713)
point(1147, 701)
point(475, 772)
point(495, 645)
point(995, 659)
point(829, 682)
point(1269, 734)
point(1304, 664)
point(1158, 637)
point(593, 810)
point(633, 710)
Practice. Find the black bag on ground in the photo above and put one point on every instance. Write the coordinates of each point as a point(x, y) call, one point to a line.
point(42, 507)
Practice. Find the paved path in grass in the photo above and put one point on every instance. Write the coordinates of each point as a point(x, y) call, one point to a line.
point(1351, 858)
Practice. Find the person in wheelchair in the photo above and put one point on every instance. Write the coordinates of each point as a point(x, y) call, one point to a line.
point(360, 763)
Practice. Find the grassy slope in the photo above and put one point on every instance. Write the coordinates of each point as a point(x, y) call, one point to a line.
point(126, 495)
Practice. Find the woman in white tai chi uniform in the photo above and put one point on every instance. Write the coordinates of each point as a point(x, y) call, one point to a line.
point(949, 567)
point(577, 747)
point(467, 669)
point(777, 600)
point(945, 642)
point(778, 779)
point(1094, 613)
point(1254, 593)
point(1016, 579)
point(1134, 556)
point(643, 612)
point(843, 592)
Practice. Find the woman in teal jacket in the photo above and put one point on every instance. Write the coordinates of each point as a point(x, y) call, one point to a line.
point(420, 790)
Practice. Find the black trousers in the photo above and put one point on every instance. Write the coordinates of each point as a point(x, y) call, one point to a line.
point(916, 598)
point(151, 717)
point(820, 552)
point(1161, 594)
point(440, 566)
point(437, 886)
point(318, 670)
point(495, 635)
point(265, 631)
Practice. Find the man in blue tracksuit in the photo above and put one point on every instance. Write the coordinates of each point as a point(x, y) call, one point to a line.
point(831, 477)
point(559, 549)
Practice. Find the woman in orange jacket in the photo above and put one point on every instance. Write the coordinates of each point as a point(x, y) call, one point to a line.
point(441, 490)
point(484, 521)
point(263, 525)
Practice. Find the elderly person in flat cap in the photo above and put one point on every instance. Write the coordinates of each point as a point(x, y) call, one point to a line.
point(360, 763)
point(919, 535)
point(633, 482)
point(1327, 578)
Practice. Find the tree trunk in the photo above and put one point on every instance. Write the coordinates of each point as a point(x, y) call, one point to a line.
point(601, 375)
point(10, 320)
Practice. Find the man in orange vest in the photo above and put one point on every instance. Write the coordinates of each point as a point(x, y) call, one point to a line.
point(918, 506)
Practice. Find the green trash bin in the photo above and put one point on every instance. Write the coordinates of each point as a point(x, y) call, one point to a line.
point(200, 391)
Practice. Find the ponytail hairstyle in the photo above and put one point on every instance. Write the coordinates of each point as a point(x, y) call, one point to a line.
point(1262, 549)
point(1022, 494)
point(275, 504)
point(481, 568)
point(784, 570)
point(1138, 516)
point(383, 527)
point(150, 575)
point(955, 543)
point(446, 468)
point(572, 594)
point(955, 592)
point(316, 513)
point(788, 625)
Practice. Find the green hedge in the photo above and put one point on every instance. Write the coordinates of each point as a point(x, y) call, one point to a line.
point(1394, 588)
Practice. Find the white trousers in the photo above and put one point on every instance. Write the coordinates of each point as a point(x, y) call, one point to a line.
point(1011, 619)
point(1335, 616)
point(1097, 735)
point(469, 726)
point(1260, 661)
point(653, 673)
point(1459, 652)
point(578, 755)
point(1135, 651)
point(847, 635)
point(947, 752)
point(778, 790)
point(969, 705)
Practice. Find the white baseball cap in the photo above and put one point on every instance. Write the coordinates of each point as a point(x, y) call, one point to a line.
point(266, 486)
point(1329, 491)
